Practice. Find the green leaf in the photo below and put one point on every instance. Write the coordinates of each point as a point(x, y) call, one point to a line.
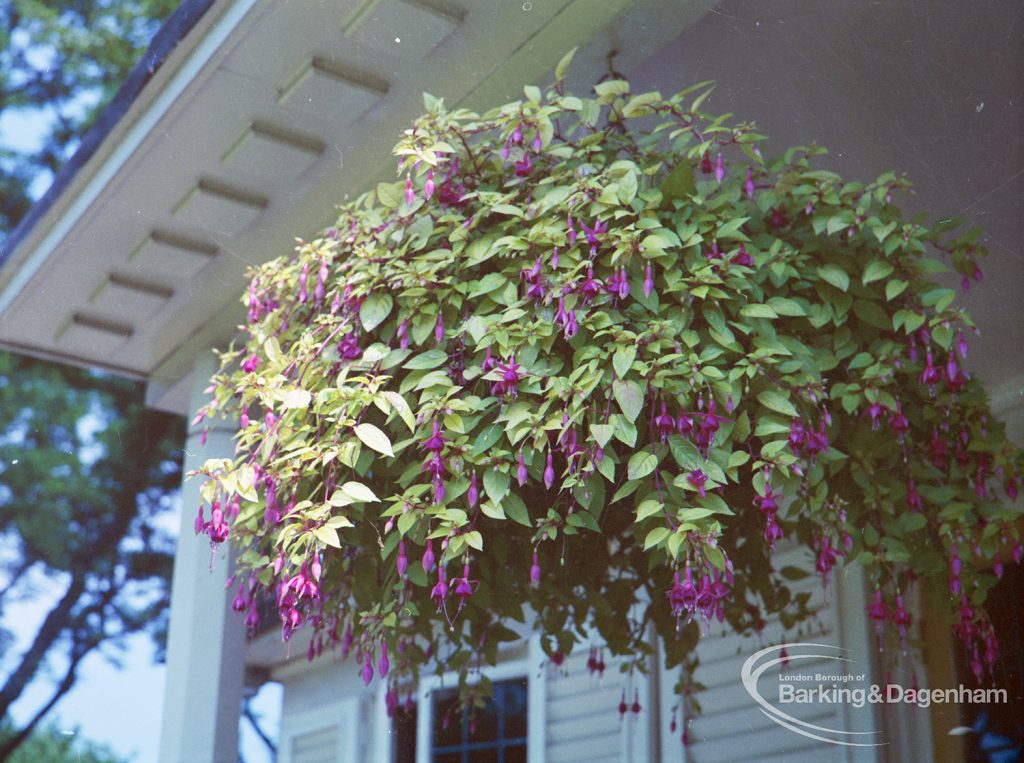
point(623, 360)
point(758, 311)
point(492, 510)
point(680, 182)
point(374, 438)
point(475, 540)
point(601, 433)
point(648, 508)
point(641, 464)
point(516, 509)
point(563, 65)
point(835, 275)
point(359, 492)
point(297, 398)
point(425, 360)
point(630, 398)
point(376, 307)
point(496, 484)
point(875, 271)
point(487, 438)
point(777, 402)
point(656, 536)
point(390, 194)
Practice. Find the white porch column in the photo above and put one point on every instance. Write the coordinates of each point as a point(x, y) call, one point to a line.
point(206, 641)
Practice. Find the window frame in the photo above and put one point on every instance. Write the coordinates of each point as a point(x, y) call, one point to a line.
point(531, 667)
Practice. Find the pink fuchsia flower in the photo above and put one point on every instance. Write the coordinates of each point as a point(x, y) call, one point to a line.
point(590, 287)
point(523, 166)
point(463, 585)
point(403, 334)
point(593, 233)
point(719, 169)
point(436, 442)
point(251, 363)
point(303, 278)
point(535, 571)
point(648, 281)
point(440, 591)
point(428, 186)
point(321, 283)
point(875, 411)
point(664, 423)
point(901, 617)
point(410, 196)
point(878, 611)
point(473, 494)
point(383, 664)
point(439, 329)
point(748, 186)
point(828, 555)
point(930, 375)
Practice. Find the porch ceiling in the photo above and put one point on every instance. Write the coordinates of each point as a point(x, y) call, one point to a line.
point(261, 120)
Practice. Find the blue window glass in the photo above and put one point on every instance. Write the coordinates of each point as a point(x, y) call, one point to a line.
point(495, 733)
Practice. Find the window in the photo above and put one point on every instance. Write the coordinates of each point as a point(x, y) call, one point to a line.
point(495, 733)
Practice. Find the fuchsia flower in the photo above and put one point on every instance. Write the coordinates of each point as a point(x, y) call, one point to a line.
point(571, 230)
point(879, 612)
point(403, 334)
point(402, 564)
point(748, 186)
point(719, 169)
point(618, 284)
point(875, 411)
point(930, 375)
point(901, 617)
point(648, 281)
point(697, 479)
point(428, 557)
point(592, 234)
point(439, 329)
point(523, 166)
point(743, 258)
point(440, 591)
point(428, 186)
point(473, 494)
point(303, 277)
point(463, 585)
point(367, 671)
point(510, 378)
point(590, 287)
point(827, 558)
point(549, 473)
point(566, 319)
point(349, 349)
point(435, 443)
point(535, 572)
point(705, 164)
point(521, 474)
point(410, 196)
point(383, 665)
point(251, 363)
point(664, 423)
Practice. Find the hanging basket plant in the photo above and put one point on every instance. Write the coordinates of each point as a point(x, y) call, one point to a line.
point(589, 362)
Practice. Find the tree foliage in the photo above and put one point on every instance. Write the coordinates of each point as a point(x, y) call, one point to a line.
point(86, 471)
point(592, 359)
point(63, 61)
point(51, 744)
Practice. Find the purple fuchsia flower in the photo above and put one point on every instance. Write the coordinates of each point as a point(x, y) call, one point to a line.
point(489, 361)
point(898, 421)
point(403, 334)
point(427, 561)
point(697, 479)
point(618, 284)
point(321, 282)
point(303, 277)
point(743, 258)
point(428, 186)
point(705, 164)
point(367, 671)
point(435, 443)
point(777, 218)
point(590, 287)
point(464, 586)
point(251, 363)
point(648, 281)
point(961, 344)
point(349, 349)
point(664, 424)
point(683, 595)
point(875, 411)
point(383, 664)
point(521, 474)
point(593, 233)
point(913, 497)
point(523, 166)
point(549, 473)
point(719, 168)
point(535, 571)
point(402, 564)
point(410, 195)
point(930, 375)
point(748, 186)
point(473, 494)
point(439, 328)
point(828, 555)
point(510, 377)
point(571, 230)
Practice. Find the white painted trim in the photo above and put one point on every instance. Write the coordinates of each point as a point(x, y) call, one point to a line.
point(343, 715)
point(536, 707)
point(127, 145)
